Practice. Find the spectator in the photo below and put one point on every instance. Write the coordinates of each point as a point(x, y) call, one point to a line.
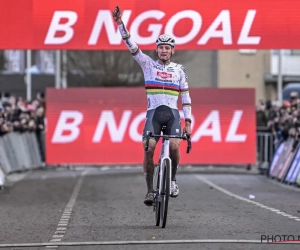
point(261, 115)
point(283, 121)
point(18, 115)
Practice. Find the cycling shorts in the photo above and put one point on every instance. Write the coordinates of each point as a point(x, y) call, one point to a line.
point(162, 116)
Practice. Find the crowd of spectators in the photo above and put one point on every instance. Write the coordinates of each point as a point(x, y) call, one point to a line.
point(17, 114)
point(283, 121)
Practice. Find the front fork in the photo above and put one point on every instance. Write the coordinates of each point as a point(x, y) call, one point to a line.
point(160, 168)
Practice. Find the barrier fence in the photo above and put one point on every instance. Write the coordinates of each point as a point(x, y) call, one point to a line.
point(280, 160)
point(264, 148)
point(285, 165)
point(23, 151)
point(19, 152)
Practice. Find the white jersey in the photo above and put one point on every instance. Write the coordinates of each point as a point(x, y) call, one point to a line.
point(163, 83)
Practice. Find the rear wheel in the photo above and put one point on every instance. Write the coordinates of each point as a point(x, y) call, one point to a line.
point(165, 194)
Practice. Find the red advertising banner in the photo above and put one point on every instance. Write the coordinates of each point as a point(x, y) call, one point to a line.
point(195, 24)
point(105, 125)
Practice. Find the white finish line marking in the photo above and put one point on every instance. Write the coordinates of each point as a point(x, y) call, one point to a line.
point(143, 242)
point(64, 220)
point(247, 200)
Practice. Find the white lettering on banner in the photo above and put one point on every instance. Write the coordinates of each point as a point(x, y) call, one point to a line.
point(215, 131)
point(197, 23)
point(133, 130)
point(244, 36)
point(104, 21)
point(104, 18)
point(231, 135)
point(107, 118)
point(154, 28)
point(211, 126)
point(72, 127)
point(212, 32)
point(55, 26)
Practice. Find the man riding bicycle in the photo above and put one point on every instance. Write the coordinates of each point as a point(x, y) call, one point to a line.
point(164, 80)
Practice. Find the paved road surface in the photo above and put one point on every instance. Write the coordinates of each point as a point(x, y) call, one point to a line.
point(88, 205)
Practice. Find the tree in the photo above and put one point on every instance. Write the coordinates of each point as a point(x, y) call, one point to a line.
point(2, 60)
point(111, 68)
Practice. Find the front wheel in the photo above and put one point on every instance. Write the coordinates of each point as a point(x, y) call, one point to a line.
point(165, 194)
point(156, 204)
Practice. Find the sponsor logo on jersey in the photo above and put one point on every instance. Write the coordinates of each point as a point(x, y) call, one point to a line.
point(162, 80)
point(164, 75)
point(158, 67)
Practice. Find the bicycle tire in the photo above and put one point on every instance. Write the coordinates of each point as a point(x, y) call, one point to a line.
point(156, 205)
point(165, 194)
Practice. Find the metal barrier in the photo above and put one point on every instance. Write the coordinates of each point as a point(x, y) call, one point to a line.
point(18, 152)
point(264, 148)
point(23, 151)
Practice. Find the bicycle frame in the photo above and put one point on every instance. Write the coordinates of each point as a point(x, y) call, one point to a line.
point(160, 206)
point(164, 156)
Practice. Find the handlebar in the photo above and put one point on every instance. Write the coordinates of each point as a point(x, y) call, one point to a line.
point(187, 138)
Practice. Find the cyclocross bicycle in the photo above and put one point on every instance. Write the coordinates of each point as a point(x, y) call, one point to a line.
point(162, 176)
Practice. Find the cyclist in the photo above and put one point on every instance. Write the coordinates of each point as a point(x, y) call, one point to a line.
point(164, 80)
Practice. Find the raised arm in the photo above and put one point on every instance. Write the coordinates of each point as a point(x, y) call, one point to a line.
point(137, 54)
